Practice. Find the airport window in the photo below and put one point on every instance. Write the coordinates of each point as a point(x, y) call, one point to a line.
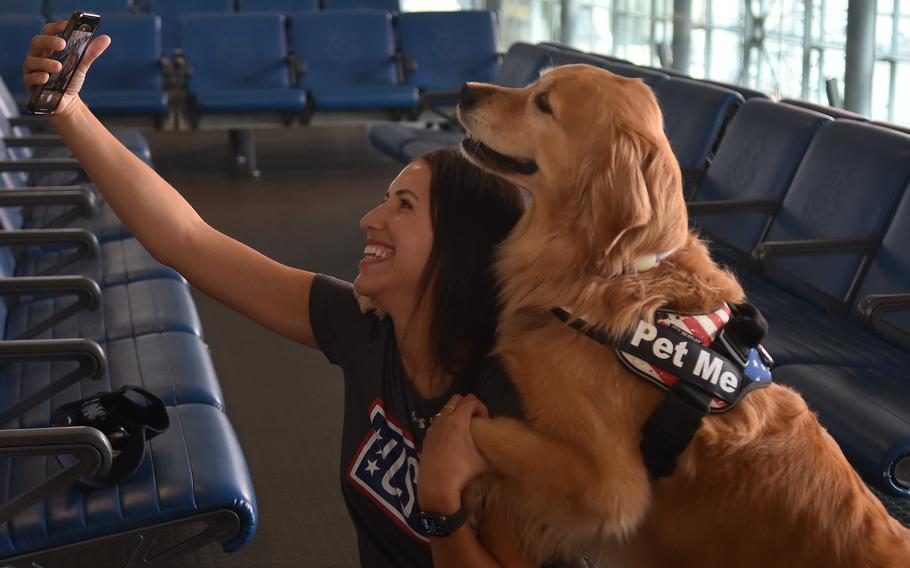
point(892, 67)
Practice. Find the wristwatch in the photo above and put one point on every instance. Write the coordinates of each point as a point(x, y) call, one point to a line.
point(439, 525)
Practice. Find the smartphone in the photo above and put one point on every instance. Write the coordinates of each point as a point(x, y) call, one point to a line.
point(78, 34)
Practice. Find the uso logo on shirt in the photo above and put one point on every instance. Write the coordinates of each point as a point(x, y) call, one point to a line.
point(385, 470)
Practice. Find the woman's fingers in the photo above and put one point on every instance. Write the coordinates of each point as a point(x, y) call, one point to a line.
point(52, 28)
point(36, 78)
point(33, 64)
point(44, 45)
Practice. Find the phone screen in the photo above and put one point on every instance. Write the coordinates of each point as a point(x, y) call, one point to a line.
point(48, 97)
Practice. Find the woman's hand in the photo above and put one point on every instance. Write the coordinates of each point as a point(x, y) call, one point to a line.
point(38, 64)
point(450, 460)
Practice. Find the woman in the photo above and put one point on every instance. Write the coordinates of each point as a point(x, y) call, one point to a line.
point(415, 364)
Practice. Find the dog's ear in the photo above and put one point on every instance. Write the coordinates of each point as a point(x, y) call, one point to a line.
point(615, 200)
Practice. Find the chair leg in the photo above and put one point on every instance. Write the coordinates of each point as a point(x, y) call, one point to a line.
point(243, 145)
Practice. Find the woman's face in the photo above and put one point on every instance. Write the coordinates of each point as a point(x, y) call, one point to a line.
point(399, 234)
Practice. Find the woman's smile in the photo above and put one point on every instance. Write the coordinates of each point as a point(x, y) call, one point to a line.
point(376, 252)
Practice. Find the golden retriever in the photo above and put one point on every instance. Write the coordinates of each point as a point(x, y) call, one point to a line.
point(762, 485)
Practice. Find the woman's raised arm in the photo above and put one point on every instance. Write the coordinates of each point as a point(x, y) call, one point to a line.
point(275, 295)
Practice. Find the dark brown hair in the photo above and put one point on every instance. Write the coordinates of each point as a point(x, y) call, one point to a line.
point(472, 212)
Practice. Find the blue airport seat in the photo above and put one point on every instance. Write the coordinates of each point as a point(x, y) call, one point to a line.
point(240, 64)
point(127, 79)
point(348, 60)
point(762, 148)
point(867, 411)
point(746, 92)
point(694, 117)
point(63, 9)
point(27, 7)
point(193, 471)
point(449, 48)
point(520, 67)
point(847, 187)
point(385, 5)
point(16, 32)
point(286, 7)
point(562, 56)
point(171, 11)
point(835, 112)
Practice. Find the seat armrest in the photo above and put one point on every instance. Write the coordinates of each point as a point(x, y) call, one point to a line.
point(90, 448)
point(408, 64)
point(34, 141)
point(49, 441)
point(80, 197)
point(86, 243)
point(28, 121)
point(41, 165)
point(86, 291)
point(83, 287)
point(814, 247)
point(731, 206)
point(769, 250)
point(874, 309)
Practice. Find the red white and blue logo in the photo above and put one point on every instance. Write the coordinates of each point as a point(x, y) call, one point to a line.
point(385, 470)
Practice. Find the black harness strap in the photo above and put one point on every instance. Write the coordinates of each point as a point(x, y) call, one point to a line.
point(670, 429)
point(672, 426)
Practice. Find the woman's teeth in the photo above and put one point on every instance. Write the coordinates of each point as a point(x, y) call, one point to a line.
point(373, 251)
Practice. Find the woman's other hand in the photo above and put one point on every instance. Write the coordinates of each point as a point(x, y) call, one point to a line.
point(450, 460)
point(39, 65)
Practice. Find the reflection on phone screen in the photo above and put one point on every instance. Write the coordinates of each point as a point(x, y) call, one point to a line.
point(69, 57)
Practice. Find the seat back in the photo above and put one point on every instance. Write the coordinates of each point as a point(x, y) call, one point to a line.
point(450, 48)
point(522, 65)
point(746, 92)
point(27, 7)
point(889, 272)
point(695, 114)
point(235, 51)
point(385, 5)
point(17, 32)
point(762, 148)
point(847, 186)
point(63, 9)
point(829, 110)
point(560, 56)
point(171, 11)
point(135, 63)
point(284, 6)
point(345, 48)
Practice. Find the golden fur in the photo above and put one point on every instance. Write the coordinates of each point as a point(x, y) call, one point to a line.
point(762, 485)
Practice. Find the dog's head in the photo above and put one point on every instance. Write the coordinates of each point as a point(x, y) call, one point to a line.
point(590, 147)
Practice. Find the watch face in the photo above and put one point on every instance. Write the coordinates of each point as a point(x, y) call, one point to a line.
point(434, 525)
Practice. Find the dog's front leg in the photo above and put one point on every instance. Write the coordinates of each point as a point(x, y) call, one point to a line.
point(611, 486)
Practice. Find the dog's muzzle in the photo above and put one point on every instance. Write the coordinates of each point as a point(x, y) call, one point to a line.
point(496, 160)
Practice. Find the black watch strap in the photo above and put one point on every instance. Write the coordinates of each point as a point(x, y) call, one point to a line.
point(439, 525)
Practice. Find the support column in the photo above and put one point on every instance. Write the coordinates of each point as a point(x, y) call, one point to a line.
point(860, 59)
point(682, 32)
point(565, 22)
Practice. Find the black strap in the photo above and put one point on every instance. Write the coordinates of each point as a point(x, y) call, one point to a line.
point(671, 427)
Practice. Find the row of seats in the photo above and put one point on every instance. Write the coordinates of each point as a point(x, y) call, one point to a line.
point(812, 211)
point(171, 10)
point(87, 309)
point(246, 63)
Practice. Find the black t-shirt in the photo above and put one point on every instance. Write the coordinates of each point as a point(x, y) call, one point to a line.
point(385, 421)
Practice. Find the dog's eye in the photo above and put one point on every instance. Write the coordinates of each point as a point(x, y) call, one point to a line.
point(543, 103)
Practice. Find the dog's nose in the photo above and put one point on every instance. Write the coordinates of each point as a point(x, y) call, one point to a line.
point(469, 96)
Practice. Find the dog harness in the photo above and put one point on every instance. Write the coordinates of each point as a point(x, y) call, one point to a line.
point(702, 368)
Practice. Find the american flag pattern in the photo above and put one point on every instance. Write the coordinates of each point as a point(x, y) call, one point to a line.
point(702, 328)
